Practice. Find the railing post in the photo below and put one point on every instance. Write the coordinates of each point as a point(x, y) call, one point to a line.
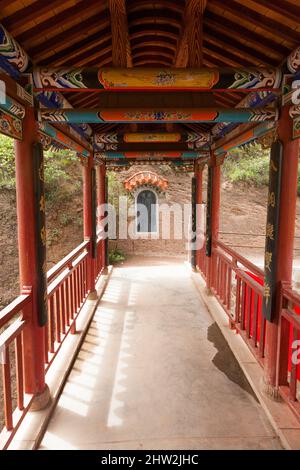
point(199, 189)
point(213, 210)
point(285, 241)
point(89, 221)
point(101, 199)
point(31, 241)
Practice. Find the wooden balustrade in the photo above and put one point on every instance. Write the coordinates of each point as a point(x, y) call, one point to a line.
point(12, 362)
point(238, 286)
point(288, 363)
point(67, 292)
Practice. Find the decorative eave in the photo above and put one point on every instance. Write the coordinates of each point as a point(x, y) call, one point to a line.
point(148, 178)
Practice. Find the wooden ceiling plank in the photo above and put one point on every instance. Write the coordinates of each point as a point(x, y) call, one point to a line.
point(69, 36)
point(153, 53)
point(159, 45)
point(231, 45)
point(143, 5)
point(72, 15)
point(231, 59)
point(95, 53)
point(257, 19)
point(30, 13)
point(121, 51)
point(69, 53)
point(238, 32)
point(284, 8)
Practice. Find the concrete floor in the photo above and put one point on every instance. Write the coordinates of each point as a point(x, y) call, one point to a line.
point(154, 372)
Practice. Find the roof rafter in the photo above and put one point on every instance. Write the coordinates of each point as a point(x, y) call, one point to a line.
point(189, 50)
point(121, 52)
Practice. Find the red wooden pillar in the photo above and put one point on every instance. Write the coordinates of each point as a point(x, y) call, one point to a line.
point(101, 199)
point(34, 335)
point(199, 189)
point(286, 234)
point(215, 212)
point(88, 224)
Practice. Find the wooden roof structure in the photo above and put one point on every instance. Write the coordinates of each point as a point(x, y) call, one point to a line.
point(150, 33)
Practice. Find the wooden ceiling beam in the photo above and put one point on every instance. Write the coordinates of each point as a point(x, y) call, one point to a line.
point(68, 37)
point(150, 5)
point(153, 14)
point(153, 53)
point(155, 57)
point(157, 20)
point(96, 54)
point(284, 8)
point(230, 59)
point(121, 52)
point(158, 45)
point(256, 19)
point(237, 31)
point(256, 57)
point(28, 14)
point(147, 30)
point(76, 49)
point(152, 36)
point(156, 63)
point(73, 15)
point(189, 51)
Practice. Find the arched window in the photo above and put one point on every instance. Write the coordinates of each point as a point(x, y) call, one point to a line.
point(146, 215)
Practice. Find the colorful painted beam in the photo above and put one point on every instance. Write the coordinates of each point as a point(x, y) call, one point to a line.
point(229, 143)
point(258, 99)
point(10, 125)
point(296, 128)
point(142, 79)
point(143, 155)
point(152, 137)
point(61, 138)
point(293, 61)
point(11, 106)
point(294, 113)
point(147, 115)
point(12, 52)
point(15, 62)
point(15, 90)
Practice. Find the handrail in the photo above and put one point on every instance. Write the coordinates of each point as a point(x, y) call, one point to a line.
point(290, 295)
point(239, 258)
point(55, 270)
point(13, 308)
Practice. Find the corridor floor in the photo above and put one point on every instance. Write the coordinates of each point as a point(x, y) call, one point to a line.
point(154, 372)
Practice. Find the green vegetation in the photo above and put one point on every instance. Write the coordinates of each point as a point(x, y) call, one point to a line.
point(58, 170)
point(249, 165)
point(116, 256)
point(7, 163)
point(115, 190)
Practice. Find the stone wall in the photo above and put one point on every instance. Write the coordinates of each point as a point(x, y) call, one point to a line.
point(179, 192)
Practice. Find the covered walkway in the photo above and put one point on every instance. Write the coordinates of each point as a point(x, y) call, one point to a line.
point(155, 372)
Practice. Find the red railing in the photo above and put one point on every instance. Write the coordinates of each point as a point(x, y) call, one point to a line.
point(288, 363)
point(202, 261)
point(12, 364)
point(238, 286)
point(67, 292)
point(100, 255)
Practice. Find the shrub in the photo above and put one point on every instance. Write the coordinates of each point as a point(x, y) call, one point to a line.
point(249, 165)
point(116, 256)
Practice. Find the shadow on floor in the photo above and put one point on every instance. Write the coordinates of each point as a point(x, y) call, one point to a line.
point(225, 361)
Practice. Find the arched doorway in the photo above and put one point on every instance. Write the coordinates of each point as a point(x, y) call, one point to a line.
point(146, 211)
